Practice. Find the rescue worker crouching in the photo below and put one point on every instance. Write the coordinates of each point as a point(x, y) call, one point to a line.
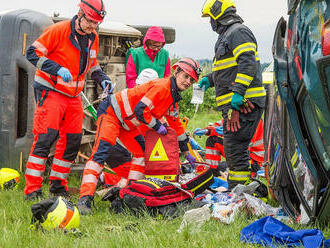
point(144, 63)
point(145, 104)
point(236, 76)
point(63, 55)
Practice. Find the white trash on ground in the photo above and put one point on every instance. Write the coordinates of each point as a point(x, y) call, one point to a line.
point(195, 218)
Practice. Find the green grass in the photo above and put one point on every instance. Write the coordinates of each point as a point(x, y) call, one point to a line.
point(105, 229)
point(201, 120)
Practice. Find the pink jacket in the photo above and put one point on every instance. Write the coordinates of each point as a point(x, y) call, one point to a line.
point(155, 34)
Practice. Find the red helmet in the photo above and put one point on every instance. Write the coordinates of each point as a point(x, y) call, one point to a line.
point(93, 9)
point(189, 66)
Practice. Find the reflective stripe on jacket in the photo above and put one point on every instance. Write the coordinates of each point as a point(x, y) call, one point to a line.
point(58, 47)
point(147, 104)
point(236, 67)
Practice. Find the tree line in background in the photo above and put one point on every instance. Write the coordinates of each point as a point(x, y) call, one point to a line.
point(186, 108)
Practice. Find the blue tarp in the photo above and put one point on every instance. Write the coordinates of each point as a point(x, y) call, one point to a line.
point(270, 232)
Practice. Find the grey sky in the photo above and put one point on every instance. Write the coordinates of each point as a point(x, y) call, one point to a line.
point(194, 36)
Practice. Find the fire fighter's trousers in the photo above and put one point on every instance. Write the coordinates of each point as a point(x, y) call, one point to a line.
point(56, 117)
point(236, 146)
point(109, 136)
point(214, 151)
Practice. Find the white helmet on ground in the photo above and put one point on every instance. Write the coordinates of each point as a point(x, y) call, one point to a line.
point(146, 75)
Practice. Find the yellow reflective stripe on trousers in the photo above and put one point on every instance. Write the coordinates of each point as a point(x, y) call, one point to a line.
point(243, 79)
point(239, 175)
point(245, 47)
point(250, 93)
point(223, 64)
point(294, 159)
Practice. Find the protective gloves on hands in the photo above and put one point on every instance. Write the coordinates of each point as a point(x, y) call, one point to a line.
point(65, 74)
point(200, 132)
point(246, 107)
point(191, 159)
point(233, 121)
point(107, 83)
point(236, 101)
point(194, 144)
point(219, 130)
point(204, 82)
point(162, 129)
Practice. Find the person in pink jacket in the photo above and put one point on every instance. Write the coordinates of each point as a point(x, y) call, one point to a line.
point(150, 55)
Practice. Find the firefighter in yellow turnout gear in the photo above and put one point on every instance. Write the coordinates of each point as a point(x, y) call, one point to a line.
point(236, 76)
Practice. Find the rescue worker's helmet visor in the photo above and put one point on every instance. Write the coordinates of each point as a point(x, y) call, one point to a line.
point(216, 8)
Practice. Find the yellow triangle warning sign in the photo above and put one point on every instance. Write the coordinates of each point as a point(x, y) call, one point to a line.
point(158, 153)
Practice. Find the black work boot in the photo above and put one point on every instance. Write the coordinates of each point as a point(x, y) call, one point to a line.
point(35, 195)
point(84, 205)
point(64, 194)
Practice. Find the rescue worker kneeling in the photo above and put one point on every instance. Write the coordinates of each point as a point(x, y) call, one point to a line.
point(123, 112)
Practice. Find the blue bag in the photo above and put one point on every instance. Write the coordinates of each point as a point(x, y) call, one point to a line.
point(270, 232)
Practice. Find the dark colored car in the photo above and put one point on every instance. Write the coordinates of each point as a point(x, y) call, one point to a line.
point(297, 119)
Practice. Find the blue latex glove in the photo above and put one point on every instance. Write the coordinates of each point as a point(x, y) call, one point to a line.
point(191, 159)
point(219, 130)
point(200, 132)
point(65, 74)
point(105, 83)
point(194, 144)
point(162, 130)
point(204, 82)
point(236, 101)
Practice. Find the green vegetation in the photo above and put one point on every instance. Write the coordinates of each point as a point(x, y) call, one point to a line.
point(105, 229)
point(201, 120)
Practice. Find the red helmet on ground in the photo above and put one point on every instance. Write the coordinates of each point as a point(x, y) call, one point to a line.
point(93, 9)
point(189, 66)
